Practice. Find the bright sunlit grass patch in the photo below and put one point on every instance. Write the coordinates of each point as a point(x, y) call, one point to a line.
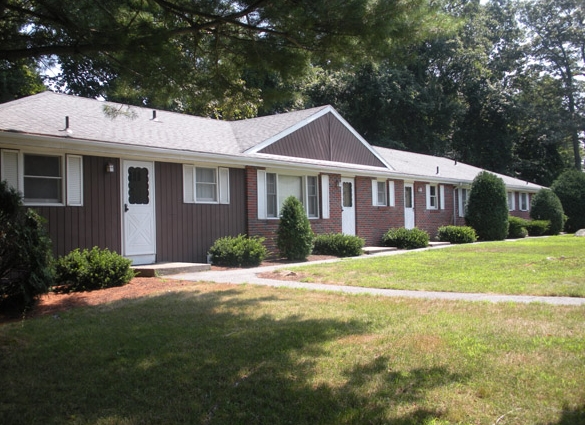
point(534, 266)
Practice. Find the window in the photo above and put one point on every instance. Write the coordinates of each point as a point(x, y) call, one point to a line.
point(432, 197)
point(312, 197)
point(379, 193)
point(205, 185)
point(44, 179)
point(511, 201)
point(524, 201)
point(274, 188)
point(463, 196)
point(435, 197)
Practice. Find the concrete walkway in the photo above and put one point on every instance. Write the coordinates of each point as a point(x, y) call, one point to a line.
point(250, 276)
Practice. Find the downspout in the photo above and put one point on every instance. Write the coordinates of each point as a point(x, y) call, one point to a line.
point(455, 205)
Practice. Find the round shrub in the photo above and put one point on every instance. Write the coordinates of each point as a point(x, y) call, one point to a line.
point(339, 245)
point(538, 227)
point(487, 207)
point(517, 228)
point(546, 205)
point(25, 253)
point(403, 238)
point(239, 251)
point(456, 234)
point(86, 270)
point(570, 189)
point(294, 237)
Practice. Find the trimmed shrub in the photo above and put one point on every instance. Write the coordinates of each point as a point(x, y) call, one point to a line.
point(570, 189)
point(487, 207)
point(239, 251)
point(86, 270)
point(294, 237)
point(456, 234)
point(25, 253)
point(517, 228)
point(538, 227)
point(403, 238)
point(547, 206)
point(339, 245)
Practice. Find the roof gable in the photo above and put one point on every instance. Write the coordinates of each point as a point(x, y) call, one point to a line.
point(324, 137)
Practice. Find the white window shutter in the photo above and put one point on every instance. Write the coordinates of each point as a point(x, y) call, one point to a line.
point(188, 184)
point(261, 192)
point(224, 186)
point(392, 195)
point(374, 192)
point(74, 180)
point(10, 168)
point(325, 196)
point(442, 196)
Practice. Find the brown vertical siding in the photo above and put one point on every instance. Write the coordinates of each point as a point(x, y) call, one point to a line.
point(185, 232)
point(97, 222)
point(325, 139)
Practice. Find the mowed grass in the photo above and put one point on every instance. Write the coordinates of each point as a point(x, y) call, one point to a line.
point(220, 354)
point(552, 266)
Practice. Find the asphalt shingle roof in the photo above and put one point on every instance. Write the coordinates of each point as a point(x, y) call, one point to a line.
point(44, 114)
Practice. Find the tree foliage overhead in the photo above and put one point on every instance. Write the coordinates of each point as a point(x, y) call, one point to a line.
point(186, 54)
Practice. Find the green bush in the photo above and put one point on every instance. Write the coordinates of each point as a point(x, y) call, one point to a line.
point(487, 207)
point(86, 270)
point(570, 189)
point(456, 234)
point(25, 253)
point(339, 245)
point(545, 205)
point(517, 228)
point(239, 251)
point(403, 238)
point(294, 237)
point(537, 227)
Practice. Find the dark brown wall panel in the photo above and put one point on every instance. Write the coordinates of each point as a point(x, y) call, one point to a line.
point(325, 139)
point(185, 232)
point(97, 222)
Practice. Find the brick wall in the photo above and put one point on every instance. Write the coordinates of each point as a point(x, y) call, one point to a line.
point(373, 221)
point(267, 227)
point(431, 219)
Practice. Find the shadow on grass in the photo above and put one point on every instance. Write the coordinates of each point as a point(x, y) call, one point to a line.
point(201, 358)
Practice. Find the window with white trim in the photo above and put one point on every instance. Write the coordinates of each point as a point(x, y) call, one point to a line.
point(274, 188)
point(511, 201)
point(379, 193)
point(524, 204)
point(432, 197)
point(463, 197)
point(206, 185)
point(44, 179)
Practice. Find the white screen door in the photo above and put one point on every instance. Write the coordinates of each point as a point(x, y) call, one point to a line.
point(348, 206)
point(138, 211)
point(408, 206)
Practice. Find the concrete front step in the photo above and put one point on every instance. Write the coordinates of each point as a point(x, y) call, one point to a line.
point(377, 249)
point(433, 244)
point(162, 269)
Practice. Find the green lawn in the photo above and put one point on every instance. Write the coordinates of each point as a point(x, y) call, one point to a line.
point(534, 266)
point(218, 354)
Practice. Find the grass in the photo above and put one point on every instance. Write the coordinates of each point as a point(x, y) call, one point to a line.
point(552, 266)
point(218, 354)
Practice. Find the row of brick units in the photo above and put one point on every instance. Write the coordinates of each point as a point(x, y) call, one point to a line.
point(372, 221)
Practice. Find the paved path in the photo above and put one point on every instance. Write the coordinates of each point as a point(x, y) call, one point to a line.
point(250, 276)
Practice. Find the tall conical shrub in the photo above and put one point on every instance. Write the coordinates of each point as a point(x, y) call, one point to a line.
point(487, 207)
point(294, 235)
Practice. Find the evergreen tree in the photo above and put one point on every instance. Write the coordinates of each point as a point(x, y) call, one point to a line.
point(487, 207)
point(294, 234)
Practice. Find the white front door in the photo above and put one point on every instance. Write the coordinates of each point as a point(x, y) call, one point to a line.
point(348, 206)
point(138, 211)
point(408, 206)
